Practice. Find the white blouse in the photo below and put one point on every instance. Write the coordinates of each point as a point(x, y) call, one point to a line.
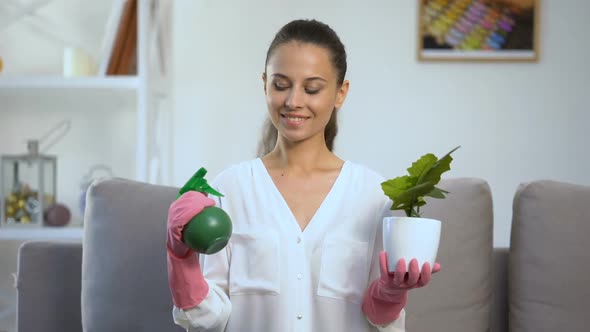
point(274, 277)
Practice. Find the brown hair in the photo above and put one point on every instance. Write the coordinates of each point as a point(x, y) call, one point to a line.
point(316, 33)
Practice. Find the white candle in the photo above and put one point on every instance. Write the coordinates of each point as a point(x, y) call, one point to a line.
point(77, 63)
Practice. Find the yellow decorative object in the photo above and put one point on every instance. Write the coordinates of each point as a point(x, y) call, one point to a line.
point(12, 198)
point(29, 180)
point(30, 177)
point(21, 203)
point(10, 211)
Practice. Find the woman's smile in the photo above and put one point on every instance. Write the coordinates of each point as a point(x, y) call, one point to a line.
point(293, 120)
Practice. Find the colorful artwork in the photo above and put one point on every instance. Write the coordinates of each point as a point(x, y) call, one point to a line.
point(478, 30)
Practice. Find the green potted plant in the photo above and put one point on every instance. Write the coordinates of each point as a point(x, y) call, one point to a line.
point(412, 236)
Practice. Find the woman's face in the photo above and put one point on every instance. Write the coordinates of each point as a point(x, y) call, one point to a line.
point(302, 91)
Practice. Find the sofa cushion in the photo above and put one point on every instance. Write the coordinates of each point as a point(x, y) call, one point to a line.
point(459, 297)
point(49, 286)
point(124, 276)
point(549, 262)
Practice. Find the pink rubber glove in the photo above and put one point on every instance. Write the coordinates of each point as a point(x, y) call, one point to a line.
point(387, 296)
point(186, 281)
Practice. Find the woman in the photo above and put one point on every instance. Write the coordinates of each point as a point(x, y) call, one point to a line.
point(306, 249)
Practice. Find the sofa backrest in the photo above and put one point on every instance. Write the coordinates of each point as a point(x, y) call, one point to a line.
point(459, 297)
point(124, 279)
point(124, 275)
point(549, 264)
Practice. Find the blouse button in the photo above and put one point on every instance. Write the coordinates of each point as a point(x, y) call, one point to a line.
point(299, 316)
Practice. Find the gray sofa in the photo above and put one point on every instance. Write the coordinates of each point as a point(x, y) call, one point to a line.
point(116, 280)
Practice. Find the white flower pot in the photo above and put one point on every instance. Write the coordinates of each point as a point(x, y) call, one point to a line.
point(407, 238)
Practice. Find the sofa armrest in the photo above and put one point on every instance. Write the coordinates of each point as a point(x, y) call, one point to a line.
point(48, 286)
point(499, 309)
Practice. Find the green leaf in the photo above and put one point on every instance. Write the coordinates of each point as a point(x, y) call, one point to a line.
point(392, 188)
point(422, 165)
point(407, 192)
point(437, 193)
point(408, 198)
point(420, 202)
point(442, 165)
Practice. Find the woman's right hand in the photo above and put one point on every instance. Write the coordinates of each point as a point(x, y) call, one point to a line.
point(181, 211)
point(187, 284)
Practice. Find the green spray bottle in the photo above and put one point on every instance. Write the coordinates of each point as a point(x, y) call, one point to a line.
point(209, 231)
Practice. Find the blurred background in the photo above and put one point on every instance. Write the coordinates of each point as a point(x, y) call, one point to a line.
point(155, 91)
point(515, 121)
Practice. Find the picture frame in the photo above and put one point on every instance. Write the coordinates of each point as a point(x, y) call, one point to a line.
point(478, 30)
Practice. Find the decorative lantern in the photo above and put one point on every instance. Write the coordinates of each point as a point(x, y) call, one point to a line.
point(28, 185)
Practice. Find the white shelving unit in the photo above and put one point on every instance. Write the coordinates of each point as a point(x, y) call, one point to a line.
point(14, 84)
point(145, 93)
point(39, 101)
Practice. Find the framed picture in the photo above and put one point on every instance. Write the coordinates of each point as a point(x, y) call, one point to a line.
point(478, 30)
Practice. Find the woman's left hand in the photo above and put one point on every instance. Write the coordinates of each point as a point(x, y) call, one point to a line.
point(402, 279)
point(387, 296)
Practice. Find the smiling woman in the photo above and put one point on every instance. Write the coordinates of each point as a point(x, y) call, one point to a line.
point(301, 103)
point(305, 253)
point(325, 54)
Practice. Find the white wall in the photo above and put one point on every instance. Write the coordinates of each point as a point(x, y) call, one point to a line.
point(34, 44)
point(515, 121)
